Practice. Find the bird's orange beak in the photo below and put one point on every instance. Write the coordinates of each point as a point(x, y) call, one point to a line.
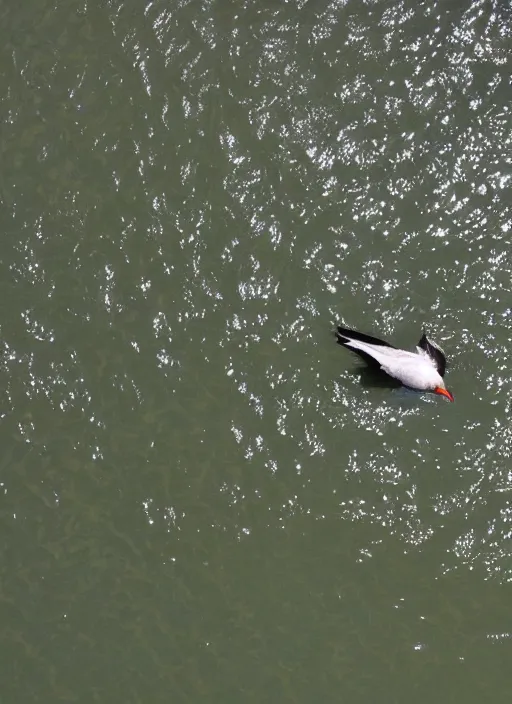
point(444, 392)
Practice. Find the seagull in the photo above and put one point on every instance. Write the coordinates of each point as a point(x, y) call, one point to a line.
point(422, 370)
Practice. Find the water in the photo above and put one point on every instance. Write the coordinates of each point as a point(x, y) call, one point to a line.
point(203, 496)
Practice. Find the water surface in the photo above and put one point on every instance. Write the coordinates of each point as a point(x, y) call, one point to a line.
point(203, 497)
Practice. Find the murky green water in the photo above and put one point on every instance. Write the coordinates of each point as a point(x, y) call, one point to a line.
point(202, 498)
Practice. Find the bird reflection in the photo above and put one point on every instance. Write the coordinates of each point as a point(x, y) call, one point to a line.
point(372, 377)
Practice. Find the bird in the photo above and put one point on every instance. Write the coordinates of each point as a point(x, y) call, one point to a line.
point(422, 370)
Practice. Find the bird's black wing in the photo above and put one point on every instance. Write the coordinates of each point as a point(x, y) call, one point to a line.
point(435, 353)
point(344, 335)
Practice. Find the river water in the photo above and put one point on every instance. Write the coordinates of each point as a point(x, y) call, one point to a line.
point(203, 497)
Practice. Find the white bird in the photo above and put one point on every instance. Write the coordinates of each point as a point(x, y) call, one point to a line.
point(422, 370)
